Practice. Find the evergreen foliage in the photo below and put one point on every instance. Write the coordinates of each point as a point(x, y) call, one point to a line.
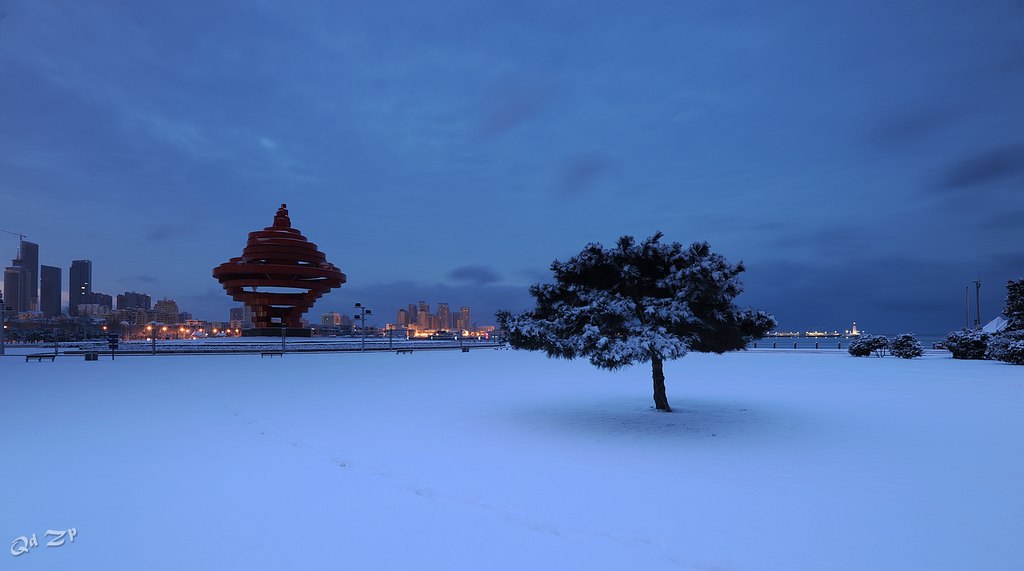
point(858, 348)
point(868, 344)
point(967, 344)
point(636, 303)
point(1014, 309)
point(1008, 344)
point(906, 346)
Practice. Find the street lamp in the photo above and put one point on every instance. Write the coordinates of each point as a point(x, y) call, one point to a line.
point(363, 312)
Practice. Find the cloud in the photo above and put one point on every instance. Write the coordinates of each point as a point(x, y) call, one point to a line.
point(1007, 220)
point(509, 108)
point(580, 172)
point(907, 128)
point(161, 232)
point(479, 275)
point(992, 166)
point(144, 278)
point(268, 144)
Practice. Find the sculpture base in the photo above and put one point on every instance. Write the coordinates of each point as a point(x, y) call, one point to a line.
point(276, 332)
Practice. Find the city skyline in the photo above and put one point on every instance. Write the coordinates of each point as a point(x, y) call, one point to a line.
point(863, 160)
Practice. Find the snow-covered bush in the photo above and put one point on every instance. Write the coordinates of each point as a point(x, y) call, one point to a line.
point(1006, 346)
point(906, 346)
point(858, 348)
point(967, 344)
point(865, 346)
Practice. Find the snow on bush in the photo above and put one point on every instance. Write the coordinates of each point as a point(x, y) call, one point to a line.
point(906, 346)
point(865, 346)
point(967, 344)
point(1006, 346)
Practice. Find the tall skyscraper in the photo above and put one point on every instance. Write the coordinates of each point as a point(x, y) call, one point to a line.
point(21, 279)
point(403, 318)
point(79, 285)
point(464, 320)
point(29, 256)
point(49, 290)
point(16, 288)
point(444, 316)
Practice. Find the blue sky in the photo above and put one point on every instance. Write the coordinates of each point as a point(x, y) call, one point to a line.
point(864, 159)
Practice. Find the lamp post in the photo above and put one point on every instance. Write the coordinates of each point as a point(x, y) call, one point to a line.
point(363, 312)
point(977, 303)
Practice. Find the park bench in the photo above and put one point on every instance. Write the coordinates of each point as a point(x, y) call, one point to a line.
point(400, 351)
point(40, 356)
point(271, 354)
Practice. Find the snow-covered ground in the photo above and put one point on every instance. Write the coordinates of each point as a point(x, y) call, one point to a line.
point(508, 460)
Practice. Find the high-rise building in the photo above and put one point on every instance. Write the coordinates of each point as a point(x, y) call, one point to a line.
point(79, 285)
point(101, 299)
point(464, 320)
point(403, 318)
point(166, 311)
point(16, 286)
point(423, 319)
point(235, 314)
point(134, 300)
point(413, 312)
point(29, 256)
point(49, 290)
point(444, 316)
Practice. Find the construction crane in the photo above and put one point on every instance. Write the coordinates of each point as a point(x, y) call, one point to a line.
point(18, 234)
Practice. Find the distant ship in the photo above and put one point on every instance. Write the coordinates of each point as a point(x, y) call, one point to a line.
point(848, 333)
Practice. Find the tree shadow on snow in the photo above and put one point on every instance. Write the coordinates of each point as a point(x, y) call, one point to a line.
point(692, 419)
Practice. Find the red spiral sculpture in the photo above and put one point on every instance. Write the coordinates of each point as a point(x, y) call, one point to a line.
point(278, 257)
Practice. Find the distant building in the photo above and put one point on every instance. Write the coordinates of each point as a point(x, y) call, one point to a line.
point(332, 318)
point(444, 316)
point(49, 290)
point(29, 256)
point(166, 311)
point(403, 318)
point(101, 299)
point(423, 319)
point(235, 314)
point(79, 285)
point(16, 284)
point(92, 310)
point(134, 300)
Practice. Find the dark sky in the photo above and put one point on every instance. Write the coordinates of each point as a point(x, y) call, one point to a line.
point(864, 159)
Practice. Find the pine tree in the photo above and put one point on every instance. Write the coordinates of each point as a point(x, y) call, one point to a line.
point(636, 303)
point(1014, 309)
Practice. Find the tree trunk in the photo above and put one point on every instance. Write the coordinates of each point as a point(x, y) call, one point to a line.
point(660, 400)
